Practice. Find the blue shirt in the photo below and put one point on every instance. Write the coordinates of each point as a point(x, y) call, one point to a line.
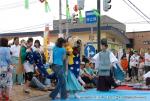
point(5, 57)
point(89, 70)
point(58, 55)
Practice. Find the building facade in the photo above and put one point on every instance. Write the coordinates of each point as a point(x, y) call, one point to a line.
point(111, 29)
point(139, 40)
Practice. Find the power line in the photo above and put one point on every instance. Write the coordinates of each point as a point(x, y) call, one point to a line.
point(42, 25)
point(139, 10)
point(26, 28)
point(136, 11)
point(14, 5)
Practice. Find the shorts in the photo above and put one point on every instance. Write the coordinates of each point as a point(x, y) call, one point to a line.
point(28, 67)
point(28, 76)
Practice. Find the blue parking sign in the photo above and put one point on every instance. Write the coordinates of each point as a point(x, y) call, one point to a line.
point(91, 18)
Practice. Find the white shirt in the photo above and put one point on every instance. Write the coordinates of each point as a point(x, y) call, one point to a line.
point(134, 60)
point(147, 59)
point(15, 50)
point(141, 65)
point(28, 67)
point(146, 75)
point(96, 59)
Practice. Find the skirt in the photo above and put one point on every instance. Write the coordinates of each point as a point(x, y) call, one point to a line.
point(72, 83)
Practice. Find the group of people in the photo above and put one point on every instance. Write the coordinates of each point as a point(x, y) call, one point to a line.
point(74, 74)
point(136, 65)
point(18, 65)
point(25, 64)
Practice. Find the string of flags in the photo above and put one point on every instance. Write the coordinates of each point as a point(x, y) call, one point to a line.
point(46, 4)
point(77, 9)
point(96, 12)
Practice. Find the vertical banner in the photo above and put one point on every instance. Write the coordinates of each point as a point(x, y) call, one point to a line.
point(46, 40)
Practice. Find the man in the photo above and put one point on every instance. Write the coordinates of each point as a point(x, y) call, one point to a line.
point(104, 62)
point(134, 64)
point(147, 61)
point(15, 52)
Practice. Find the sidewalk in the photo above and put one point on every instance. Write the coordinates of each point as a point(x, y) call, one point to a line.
point(19, 95)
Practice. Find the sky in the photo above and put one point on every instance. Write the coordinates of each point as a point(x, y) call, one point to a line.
point(15, 18)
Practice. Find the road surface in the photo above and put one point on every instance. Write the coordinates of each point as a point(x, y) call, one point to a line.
point(40, 98)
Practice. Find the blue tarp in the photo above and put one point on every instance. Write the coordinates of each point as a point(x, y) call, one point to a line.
point(113, 95)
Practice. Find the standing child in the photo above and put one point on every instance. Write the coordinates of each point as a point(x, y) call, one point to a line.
point(28, 63)
point(124, 63)
point(141, 68)
point(134, 63)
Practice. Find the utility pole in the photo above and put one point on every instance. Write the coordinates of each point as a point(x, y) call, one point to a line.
point(99, 26)
point(60, 17)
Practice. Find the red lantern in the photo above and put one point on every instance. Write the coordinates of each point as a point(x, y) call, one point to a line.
point(76, 8)
point(41, 1)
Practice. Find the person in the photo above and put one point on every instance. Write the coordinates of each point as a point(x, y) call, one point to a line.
point(124, 63)
point(129, 54)
point(134, 63)
point(77, 55)
point(84, 76)
point(38, 52)
point(146, 77)
point(141, 68)
point(15, 53)
point(103, 61)
point(84, 59)
point(37, 47)
point(89, 71)
point(147, 61)
point(59, 55)
point(5, 70)
point(82, 65)
point(72, 69)
point(36, 81)
point(28, 63)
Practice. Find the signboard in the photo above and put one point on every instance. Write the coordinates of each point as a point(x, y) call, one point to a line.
point(91, 18)
point(89, 51)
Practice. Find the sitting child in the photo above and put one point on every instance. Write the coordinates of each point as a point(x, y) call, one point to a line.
point(88, 69)
point(86, 76)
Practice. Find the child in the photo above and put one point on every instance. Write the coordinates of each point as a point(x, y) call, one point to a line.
point(82, 65)
point(90, 72)
point(141, 68)
point(28, 63)
point(124, 63)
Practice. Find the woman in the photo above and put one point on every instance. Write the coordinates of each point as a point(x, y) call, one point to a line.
point(15, 54)
point(59, 54)
point(40, 61)
point(73, 84)
point(5, 70)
